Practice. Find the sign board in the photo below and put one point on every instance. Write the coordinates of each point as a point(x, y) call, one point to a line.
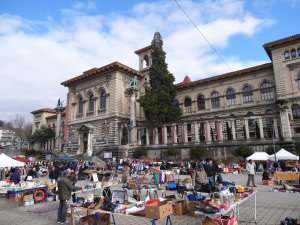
point(107, 155)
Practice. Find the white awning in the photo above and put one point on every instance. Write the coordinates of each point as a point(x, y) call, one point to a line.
point(283, 154)
point(6, 161)
point(259, 156)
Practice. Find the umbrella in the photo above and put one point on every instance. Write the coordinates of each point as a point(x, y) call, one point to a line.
point(93, 159)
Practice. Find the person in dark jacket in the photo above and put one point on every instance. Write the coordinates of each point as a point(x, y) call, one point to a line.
point(65, 188)
point(32, 173)
point(53, 174)
point(15, 176)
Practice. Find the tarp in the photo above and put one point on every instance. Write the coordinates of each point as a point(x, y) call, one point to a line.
point(259, 156)
point(94, 159)
point(63, 156)
point(283, 154)
point(6, 161)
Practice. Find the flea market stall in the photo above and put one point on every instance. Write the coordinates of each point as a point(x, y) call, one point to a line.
point(285, 156)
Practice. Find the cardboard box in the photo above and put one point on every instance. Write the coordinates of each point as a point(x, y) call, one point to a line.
point(158, 210)
point(179, 208)
point(27, 197)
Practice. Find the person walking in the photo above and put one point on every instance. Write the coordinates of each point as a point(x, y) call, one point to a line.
point(65, 188)
point(250, 167)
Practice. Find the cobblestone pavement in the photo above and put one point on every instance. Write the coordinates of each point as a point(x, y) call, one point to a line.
point(271, 208)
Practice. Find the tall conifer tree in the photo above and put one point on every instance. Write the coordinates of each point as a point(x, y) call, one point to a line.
point(159, 101)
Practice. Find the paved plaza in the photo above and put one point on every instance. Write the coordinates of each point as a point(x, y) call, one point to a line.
point(271, 208)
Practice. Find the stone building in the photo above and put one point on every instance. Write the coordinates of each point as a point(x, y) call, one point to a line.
point(50, 118)
point(256, 106)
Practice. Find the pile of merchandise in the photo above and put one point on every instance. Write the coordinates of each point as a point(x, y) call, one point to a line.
point(290, 221)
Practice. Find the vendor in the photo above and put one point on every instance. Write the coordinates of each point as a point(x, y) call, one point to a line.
point(15, 176)
point(199, 177)
point(32, 172)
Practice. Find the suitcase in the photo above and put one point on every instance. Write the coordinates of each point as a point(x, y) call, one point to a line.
point(172, 185)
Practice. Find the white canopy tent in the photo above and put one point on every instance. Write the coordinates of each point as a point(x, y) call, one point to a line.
point(6, 161)
point(259, 156)
point(283, 154)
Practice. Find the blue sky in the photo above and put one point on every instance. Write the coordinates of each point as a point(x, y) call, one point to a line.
point(54, 40)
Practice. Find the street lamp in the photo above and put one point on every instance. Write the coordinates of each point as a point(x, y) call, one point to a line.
point(274, 140)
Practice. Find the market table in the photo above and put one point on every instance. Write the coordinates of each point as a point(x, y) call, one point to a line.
point(286, 176)
point(33, 190)
point(234, 208)
point(100, 211)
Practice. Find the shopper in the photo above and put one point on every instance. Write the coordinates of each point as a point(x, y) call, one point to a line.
point(199, 177)
point(53, 174)
point(250, 167)
point(65, 188)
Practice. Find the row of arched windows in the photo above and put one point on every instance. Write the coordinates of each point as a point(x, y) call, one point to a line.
point(291, 54)
point(91, 102)
point(266, 92)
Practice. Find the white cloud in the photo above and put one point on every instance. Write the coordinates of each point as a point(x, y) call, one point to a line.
point(37, 55)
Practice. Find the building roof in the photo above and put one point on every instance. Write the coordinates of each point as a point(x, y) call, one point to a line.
point(186, 80)
point(142, 49)
point(49, 110)
point(55, 116)
point(281, 42)
point(226, 75)
point(100, 71)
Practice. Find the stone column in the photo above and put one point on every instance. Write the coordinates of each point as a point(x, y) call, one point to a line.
point(220, 130)
point(90, 144)
point(247, 129)
point(196, 127)
point(275, 127)
point(207, 132)
point(133, 131)
point(147, 136)
point(233, 129)
point(285, 125)
point(96, 104)
point(85, 108)
point(184, 133)
point(139, 136)
point(155, 136)
point(165, 135)
point(58, 132)
point(261, 128)
point(174, 134)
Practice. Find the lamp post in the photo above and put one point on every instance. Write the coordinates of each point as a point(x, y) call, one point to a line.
point(274, 140)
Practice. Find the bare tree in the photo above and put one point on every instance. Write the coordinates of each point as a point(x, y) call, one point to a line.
point(21, 128)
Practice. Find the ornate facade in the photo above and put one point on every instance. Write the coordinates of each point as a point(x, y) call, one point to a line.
point(254, 106)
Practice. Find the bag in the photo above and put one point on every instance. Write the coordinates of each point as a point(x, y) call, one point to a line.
point(181, 189)
point(172, 185)
point(209, 209)
point(227, 220)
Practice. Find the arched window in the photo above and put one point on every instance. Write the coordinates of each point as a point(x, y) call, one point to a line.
point(215, 100)
point(176, 103)
point(296, 111)
point(247, 94)
point(287, 55)
point(188, 104)
point(146, 61)
point(293, 53)
point(230, 97)
point(266, 91)
point(298, 80)
point(200, 102)
point(298, 51)
point(91, 103)
point(102, 100)
point(80, 105)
